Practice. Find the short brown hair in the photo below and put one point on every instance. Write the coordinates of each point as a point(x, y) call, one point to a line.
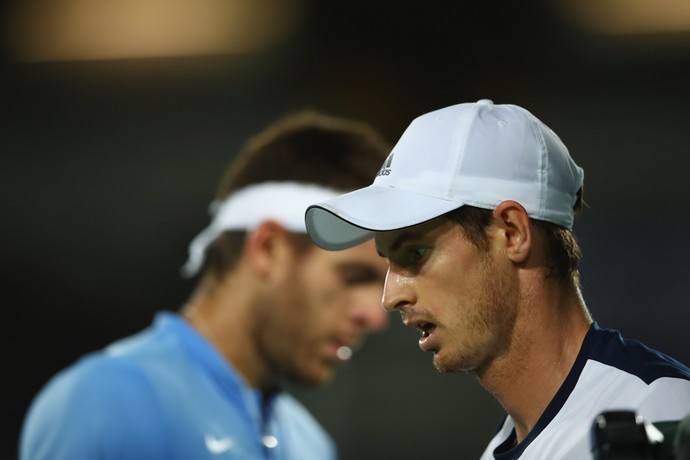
point(310, 147)
point(562, 249)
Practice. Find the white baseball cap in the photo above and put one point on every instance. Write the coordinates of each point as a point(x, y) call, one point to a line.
point(476, 154)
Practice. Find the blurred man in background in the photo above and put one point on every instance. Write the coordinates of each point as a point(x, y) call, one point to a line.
point(474, 210)
point(269, 306)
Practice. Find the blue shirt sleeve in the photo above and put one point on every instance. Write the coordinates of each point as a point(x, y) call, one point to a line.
point(100, 408)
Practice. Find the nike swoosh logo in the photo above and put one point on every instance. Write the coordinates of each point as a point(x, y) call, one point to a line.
point(218, 445)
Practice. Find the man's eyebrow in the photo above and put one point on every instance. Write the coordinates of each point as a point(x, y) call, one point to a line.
point(365, 271)
point(399, 241)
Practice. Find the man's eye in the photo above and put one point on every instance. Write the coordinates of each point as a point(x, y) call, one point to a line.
point(353, 274)
point(414, 255)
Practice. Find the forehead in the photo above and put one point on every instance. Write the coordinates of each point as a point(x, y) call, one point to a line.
point(363, 254)
point(427, 231)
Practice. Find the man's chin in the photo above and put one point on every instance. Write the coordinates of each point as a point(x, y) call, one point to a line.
point(314, 378)
point(446, 364)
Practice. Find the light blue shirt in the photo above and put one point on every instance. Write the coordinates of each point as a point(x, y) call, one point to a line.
point(165, 393)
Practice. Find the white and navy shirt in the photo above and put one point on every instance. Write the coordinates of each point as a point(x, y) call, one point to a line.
point(610, 373)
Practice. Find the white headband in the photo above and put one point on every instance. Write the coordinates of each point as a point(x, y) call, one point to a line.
point(245, 209)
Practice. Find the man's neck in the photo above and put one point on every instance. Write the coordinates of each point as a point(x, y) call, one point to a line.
point(544, 347)
point(222, 311)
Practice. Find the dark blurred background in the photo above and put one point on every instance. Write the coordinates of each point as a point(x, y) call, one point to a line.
point(118, 118)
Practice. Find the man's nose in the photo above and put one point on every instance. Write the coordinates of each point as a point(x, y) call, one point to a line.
point(397, 291)
point(368, 312)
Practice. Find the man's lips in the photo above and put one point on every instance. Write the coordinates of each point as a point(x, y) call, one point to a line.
point(427, 329)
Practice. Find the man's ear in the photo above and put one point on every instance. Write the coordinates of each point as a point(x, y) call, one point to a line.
point(268, 250)
point(514, 230)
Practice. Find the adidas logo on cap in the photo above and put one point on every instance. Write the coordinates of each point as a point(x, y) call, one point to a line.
point(386, 167)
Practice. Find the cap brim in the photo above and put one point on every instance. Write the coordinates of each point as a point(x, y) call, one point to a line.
point(351, 219)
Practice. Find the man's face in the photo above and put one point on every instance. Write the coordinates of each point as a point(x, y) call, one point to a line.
point(329, 300)
point(461, 298)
